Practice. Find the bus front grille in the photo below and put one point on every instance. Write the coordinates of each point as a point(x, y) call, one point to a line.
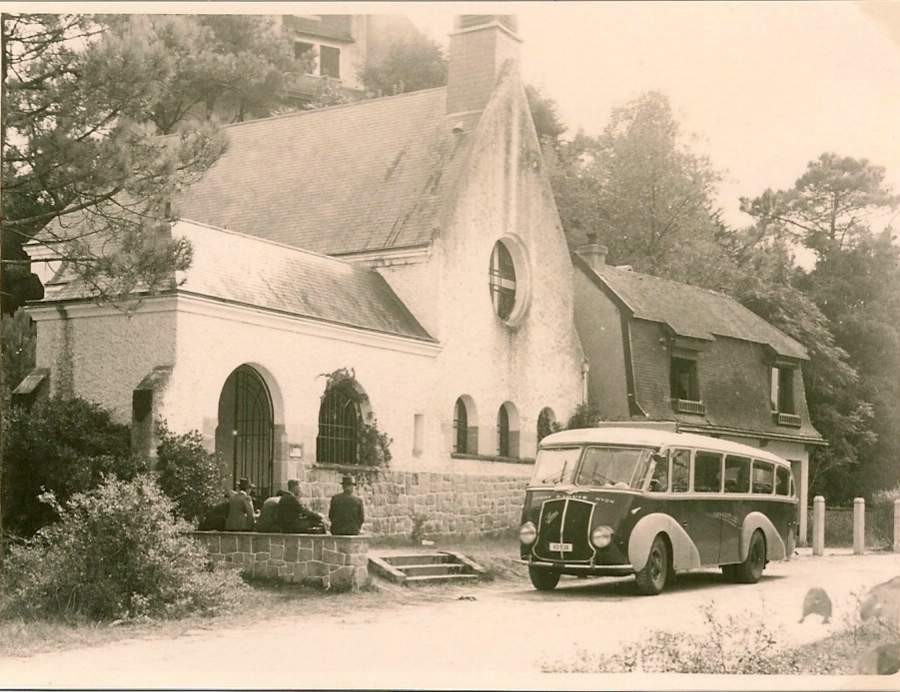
point(563, 530)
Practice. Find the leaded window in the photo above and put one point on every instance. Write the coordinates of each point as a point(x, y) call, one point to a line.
point(502, 281)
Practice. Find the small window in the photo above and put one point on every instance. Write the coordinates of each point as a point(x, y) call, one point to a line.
point(418, 434)
point(507, 431)
point(461, 427)
point(659, 481)
point(681, 471)
point(707, 472)
point(502, 281)
point(737, 474)
point(330, 62)
point(783, 481)
point(683, 380)
point(763, 477)
point(545, 422)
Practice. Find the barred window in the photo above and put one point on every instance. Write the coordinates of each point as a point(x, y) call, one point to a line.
point(507, 431)
point(461, 428)
point(339, 420)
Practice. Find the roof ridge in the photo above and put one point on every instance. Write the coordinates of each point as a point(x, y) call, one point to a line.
point(267, 241)
point(338, 106)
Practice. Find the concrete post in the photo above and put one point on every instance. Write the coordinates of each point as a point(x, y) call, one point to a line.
point(897, 526)
point(859, 525)
point(818, 525)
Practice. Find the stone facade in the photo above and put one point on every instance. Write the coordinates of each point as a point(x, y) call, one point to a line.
point(446, 503)
point(331, 562)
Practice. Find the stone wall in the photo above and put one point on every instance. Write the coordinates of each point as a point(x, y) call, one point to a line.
point(448, 503)
point(331, 562)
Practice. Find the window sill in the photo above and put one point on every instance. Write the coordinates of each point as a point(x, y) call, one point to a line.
point(490, 457)
point(787, 419)
point(354, 468)
point(689, 406)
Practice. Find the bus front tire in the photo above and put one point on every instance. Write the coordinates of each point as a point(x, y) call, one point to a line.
point(543, 579)
point(653, 577)
point(751, 569)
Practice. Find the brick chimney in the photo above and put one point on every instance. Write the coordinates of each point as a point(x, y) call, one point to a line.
point(479, 46)
point(593, 252)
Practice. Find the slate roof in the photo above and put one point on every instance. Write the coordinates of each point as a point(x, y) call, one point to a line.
point(245, 270)
point(691, 311)
point(360, 177)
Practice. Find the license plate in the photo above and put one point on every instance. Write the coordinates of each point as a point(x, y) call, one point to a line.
point(561, 547)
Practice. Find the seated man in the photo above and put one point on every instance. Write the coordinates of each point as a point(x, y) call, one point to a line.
point(268, 516)
point(293, 517)
point(346, 511)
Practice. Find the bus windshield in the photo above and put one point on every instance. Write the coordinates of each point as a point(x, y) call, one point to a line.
point(620, 467)
point(555, 465)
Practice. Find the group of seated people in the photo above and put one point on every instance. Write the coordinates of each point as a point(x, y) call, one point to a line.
point(284, 513)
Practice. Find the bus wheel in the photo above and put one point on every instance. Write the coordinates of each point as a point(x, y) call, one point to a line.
point(652, 578)
point(543, 579)
point(751, 569)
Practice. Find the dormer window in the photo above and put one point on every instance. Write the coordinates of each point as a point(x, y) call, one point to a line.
point(781, 394)
point(684, 383)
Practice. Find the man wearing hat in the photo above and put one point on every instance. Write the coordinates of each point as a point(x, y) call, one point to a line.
point(346, 510)
point(240, 508)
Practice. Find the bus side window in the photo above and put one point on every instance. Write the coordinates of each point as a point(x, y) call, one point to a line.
point(737, 474)
point(763, 477)
point(707, 472)
point(659, 482)
point(681, 470)
point(783, 481)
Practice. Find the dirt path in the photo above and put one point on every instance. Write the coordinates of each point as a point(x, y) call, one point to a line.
point(509, 630)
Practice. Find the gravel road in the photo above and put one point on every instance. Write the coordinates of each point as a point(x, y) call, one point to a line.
point(478, 636)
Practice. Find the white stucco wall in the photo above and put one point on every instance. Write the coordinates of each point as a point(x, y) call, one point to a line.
point(104, 352)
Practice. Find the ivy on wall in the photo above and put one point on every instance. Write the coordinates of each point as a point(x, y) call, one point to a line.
point(373, 445)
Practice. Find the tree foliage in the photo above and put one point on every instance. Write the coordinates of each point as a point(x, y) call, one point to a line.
point(187, 473)
point(410, 65)
point(640, 190)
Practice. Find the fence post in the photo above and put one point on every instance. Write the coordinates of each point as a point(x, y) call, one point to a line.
point(818, 525)
point(897, 525)
point(859, 525)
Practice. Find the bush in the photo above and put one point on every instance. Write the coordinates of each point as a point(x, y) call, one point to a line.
point(187, 473)
point(585, 416)
point(61, 445)
point(116, 552)
point(883, 515)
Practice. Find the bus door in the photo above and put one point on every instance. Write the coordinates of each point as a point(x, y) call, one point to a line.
point(734, 507)
point(704, 520)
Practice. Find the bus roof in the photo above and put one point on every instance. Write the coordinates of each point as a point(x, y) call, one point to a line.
point(650, 437)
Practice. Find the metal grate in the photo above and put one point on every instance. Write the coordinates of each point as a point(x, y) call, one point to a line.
point(788, 419)
point(337, 441)
point(502, 281)
point(253, 432)
point(689, 406)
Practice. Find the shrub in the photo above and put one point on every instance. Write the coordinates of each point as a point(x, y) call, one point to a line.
point(883, 515)
point(585, 416)
point(61, 445)
point(187, 473)
point(116, 552)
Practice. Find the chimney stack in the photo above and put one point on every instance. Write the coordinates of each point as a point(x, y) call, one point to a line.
point(479, 47)
point(593, 252)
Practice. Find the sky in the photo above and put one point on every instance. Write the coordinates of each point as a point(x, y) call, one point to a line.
point(765, 87)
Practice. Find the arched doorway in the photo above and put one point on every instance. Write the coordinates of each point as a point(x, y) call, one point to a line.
point(246, 444)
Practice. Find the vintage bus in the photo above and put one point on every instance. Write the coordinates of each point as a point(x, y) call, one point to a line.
point(650, 501)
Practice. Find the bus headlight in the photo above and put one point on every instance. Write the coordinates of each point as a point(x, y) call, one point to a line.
point(601, 536)
point(527, 533)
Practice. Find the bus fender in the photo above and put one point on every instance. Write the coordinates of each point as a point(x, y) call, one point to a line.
point(685, 555)
point(775, 549)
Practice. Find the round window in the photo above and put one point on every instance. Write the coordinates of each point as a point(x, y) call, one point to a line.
point(508, 280)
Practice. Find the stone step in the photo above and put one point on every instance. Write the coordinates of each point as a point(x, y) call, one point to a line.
point(420, 559)
point(440, 578)
point(430, 570)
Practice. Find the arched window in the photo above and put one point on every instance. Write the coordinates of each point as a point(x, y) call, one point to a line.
point(545, 422)
point(503, 281)
point(339, 420)
point(465, 429)
point(507, 431)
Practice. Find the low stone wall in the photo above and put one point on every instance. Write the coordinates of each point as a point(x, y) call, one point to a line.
point(331, 562)
point(443, 503)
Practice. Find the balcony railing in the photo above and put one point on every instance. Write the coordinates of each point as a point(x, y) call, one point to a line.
point(689, 406)
point(788, 419)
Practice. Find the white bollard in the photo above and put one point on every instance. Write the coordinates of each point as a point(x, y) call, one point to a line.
point(859, 526)
point(897, 526)
point(818, 525)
